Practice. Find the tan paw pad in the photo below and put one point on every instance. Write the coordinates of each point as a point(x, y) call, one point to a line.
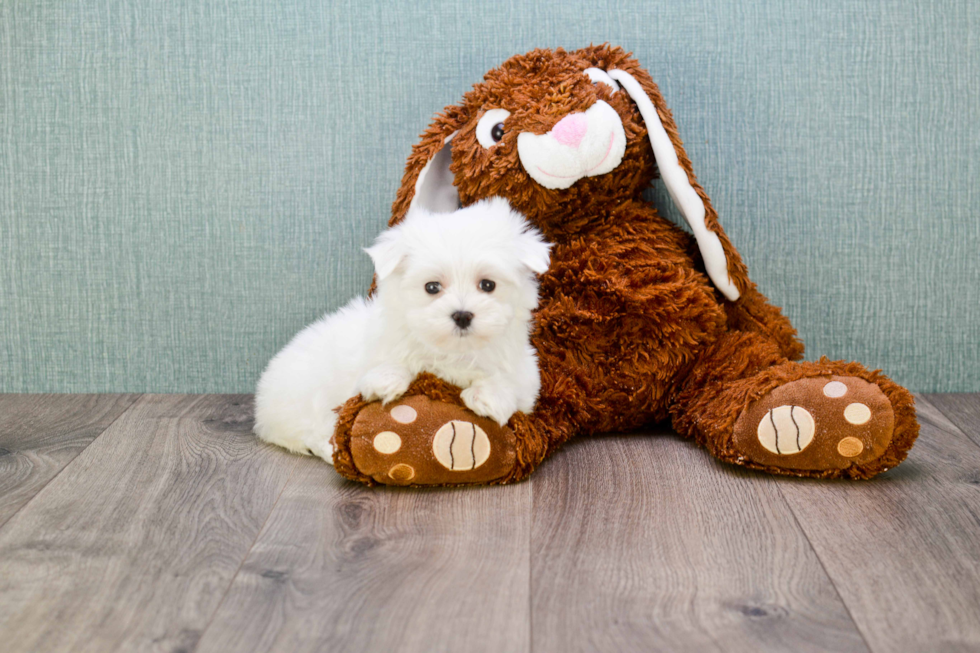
point(461, 446)
point(786, 429)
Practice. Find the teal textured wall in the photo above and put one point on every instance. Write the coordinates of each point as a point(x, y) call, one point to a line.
point(184, 184)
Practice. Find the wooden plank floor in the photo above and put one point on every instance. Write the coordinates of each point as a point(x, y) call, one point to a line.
point(160, 523)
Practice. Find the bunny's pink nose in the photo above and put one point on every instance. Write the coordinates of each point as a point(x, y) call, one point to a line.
point(571, 129)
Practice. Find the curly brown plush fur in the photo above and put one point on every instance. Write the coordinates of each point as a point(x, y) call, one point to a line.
point(630, 330)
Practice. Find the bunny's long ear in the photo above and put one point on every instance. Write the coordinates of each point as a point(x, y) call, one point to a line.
point(721, 261)
point(428, 182)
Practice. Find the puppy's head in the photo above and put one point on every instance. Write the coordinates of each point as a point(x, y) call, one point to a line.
point(458, 280)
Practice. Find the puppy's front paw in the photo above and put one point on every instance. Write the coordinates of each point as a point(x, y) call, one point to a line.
point(493, 401)
point(385, 382)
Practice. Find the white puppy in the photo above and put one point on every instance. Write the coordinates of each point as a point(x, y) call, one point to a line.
point(454, 298)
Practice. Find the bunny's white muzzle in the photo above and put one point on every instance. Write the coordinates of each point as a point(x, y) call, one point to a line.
point(580, 145)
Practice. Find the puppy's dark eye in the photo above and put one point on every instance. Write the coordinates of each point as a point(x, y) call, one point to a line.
point(497, 132)
point(433, 287)
point(487, 286)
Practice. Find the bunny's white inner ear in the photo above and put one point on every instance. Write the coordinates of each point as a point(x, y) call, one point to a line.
point(434, 188)
point(599, 75)
point(679, 187)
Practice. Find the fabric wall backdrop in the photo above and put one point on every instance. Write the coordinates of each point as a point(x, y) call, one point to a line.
point(184, 184)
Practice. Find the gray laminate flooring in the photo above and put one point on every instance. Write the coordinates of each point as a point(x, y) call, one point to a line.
point(160, 523)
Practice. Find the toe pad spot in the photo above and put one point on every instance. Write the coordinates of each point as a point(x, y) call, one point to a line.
point(857, 414)
point(403, 414)
point(850, 447)
point(387, 442)
point(402, 473)
point(835, 389)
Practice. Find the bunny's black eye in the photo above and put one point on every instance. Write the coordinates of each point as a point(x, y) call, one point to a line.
point(487, 286)
point(490, 128)
point(433, 287)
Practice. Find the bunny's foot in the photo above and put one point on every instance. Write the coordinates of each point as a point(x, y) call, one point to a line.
point(817, 424)
point(419, 441)
point(823, 419)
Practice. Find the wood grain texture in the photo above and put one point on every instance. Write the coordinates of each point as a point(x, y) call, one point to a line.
point(176, 530)
point(342, 567)
point(134, 544)
point(40, 434)
point(644, 543)
point(963, 410)
point(904, 548)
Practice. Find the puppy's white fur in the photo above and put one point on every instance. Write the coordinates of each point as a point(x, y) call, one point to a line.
point(375, 347)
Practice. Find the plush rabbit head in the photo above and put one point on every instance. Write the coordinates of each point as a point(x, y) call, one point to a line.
point(564, 136)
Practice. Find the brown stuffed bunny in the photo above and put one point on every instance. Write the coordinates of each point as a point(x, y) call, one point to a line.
point(638, 321)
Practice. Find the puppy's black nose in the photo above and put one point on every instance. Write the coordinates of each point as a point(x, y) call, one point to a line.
point(462, 318)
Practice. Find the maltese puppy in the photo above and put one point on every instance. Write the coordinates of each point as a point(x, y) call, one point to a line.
point(455, 292)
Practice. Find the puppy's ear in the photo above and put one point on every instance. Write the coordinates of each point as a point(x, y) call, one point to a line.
point(721, 260)
point(387, 252)
point(428, 182)
point(534, 251)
